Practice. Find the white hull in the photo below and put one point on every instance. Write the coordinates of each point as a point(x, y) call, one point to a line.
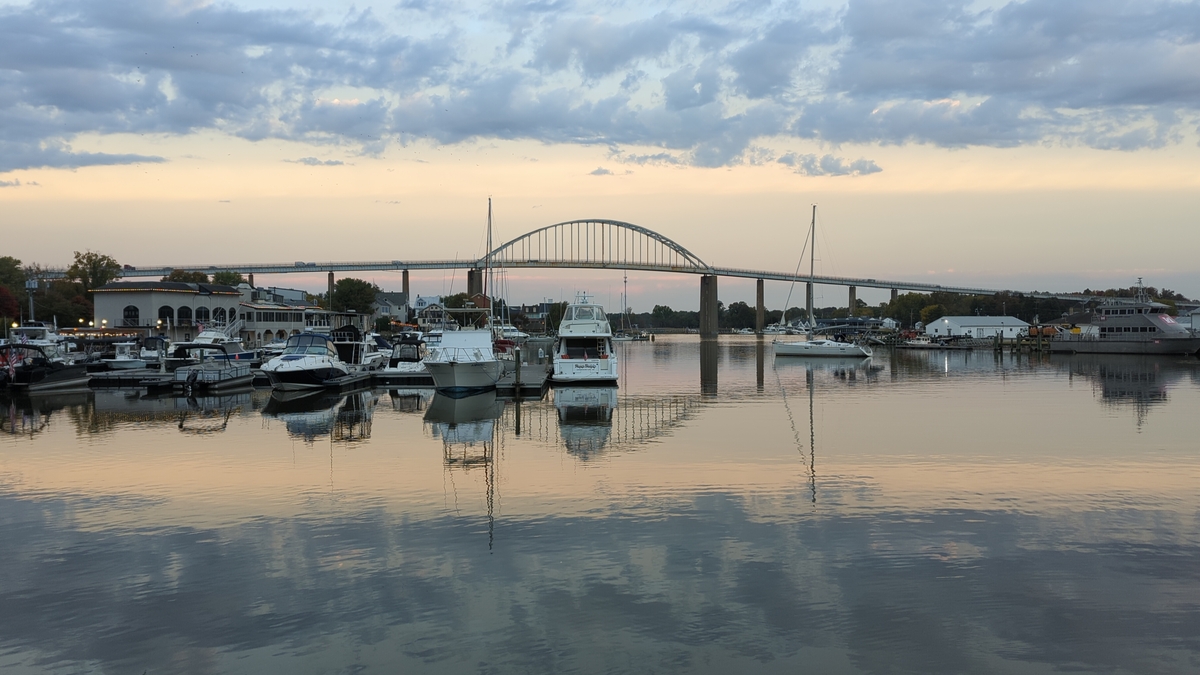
point(821, 348)
point(586, 370)
point(460, 375)
point(123, 364)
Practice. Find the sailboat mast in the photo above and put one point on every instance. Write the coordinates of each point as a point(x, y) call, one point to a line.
point(812, 268)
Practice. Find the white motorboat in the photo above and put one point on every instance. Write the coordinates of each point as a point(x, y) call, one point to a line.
point(153, 349)
point(362, 353)
point(309, 361)
point(125, 357)
point(465, 361)
point(584, 352)
point(407, 357)
point(812, 346)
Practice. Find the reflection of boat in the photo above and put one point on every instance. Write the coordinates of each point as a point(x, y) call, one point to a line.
point(125, 358)
point(410, 400)
point(308, 362)
point(311, 414)
point(585, 417)
point(1137, 381)
point(1138, 327)
point(812, 347)
point(829, 363)
point(468, 420)
point(30, 369)
point(28, 415)
point(584, 352)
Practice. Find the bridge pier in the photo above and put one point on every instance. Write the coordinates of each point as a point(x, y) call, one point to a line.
point(250, 279)
point(808, 302)
point(330, 296)
point(853, 299)
point(708, 306)
point(474, 282)
point(760, 312)
point(407, 297)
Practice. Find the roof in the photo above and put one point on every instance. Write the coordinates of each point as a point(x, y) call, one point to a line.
point(169, 287)
point(983, 321)
point(393, 298)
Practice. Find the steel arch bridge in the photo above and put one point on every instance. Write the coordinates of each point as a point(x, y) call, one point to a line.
point(596, 244)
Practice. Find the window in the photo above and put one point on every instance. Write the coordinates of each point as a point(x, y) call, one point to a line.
point(130, 315)
point(185, 314)
point(166, 313)
point(202, 314)
point(219, 315)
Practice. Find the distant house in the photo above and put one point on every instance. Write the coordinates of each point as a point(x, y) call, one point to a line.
point(889, 324)
point(977, 326)
point(391, 306)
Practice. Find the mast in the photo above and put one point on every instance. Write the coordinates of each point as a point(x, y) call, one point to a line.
point(487, 269)
point(812, 267)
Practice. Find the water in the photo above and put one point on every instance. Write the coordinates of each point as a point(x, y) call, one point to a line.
point(921, 512)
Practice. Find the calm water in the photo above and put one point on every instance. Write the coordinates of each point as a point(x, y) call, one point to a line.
point(918, 512)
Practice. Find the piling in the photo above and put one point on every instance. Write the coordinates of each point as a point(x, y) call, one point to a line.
point(760, 312)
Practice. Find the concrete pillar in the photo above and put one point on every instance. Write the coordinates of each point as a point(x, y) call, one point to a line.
point(250, 279)
point(760, 312)
point(407, 297)
point(808, 302)
point(895, 294)
point(708, 306)
point(474, 282)
point(331, 290)
point(853, 299)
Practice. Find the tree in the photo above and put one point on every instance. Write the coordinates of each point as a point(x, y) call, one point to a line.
point(12, 276)
point(456, 301)
point(662, 314)
point(932, 313)
point(9, 307)
point(92, 270)
point(187, 277)
point(227, 278)
point(354, 295)
point(741, 315)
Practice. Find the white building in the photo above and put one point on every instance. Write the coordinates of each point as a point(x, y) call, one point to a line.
point(392, 306)
point(977, 327)
point(176, 309)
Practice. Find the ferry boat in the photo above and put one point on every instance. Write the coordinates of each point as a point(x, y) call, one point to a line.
point(1124, 327)
point(584, 352)
point(309, 361)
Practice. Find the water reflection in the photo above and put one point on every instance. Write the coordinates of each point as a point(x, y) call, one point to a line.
point(710, 352)
point(344, 418)
point(1137, 382)
point(31, 415)
point(585, 418)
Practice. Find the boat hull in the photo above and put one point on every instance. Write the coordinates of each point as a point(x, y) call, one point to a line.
point(839, 349)
point(66, 378)
point(1162, 346)
point(462, 377)
point(297, 380)
point(585, 370)
point(123, 364)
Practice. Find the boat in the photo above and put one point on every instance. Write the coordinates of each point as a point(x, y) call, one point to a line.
point(584, 351)
point(32, 368)
point(361, 352)
point(467, 361)
point(811, 346)
point(407, 357)
point(627, 332)
point(309, 361)
point(154, 348)
point(1140, 326)
point(125, 357)
point(215, 371)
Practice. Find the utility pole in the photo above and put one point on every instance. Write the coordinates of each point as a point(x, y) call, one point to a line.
point(31, 286)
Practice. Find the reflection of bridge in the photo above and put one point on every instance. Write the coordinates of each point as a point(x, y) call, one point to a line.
point(584, 244)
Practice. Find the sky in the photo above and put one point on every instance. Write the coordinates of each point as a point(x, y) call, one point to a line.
point(1038, 145)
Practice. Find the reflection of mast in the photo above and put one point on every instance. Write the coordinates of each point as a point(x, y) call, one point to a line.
point(812, 438)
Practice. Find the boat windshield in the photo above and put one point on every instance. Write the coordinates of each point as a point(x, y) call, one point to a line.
point(585, 313)
point(308, 344)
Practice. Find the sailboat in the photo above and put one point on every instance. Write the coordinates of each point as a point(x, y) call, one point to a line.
point(464, 362)
point(627, 333)
point(813, 347)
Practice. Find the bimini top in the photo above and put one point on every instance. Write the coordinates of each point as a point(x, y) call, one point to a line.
point(316, 344)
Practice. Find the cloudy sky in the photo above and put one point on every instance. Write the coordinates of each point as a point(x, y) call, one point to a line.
point(1026, 145)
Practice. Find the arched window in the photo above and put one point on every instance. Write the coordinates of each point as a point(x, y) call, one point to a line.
point(219, 315)
point(166, 313)
point(202, 315)
point(130, 315)
point(185, 314)
point(281, 335)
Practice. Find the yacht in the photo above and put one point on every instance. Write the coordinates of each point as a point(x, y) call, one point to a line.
point(584, 352)
point(32, 368)
point(812, 346)
point(309, 361)
point(214, 371)
point(465, 361)
point(362, 352)
point(407, 357)
point(127, 356)
point(1138, 327)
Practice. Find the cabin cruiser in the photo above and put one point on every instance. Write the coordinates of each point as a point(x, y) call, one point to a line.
point(584, 352)
point(31, 368)
point(214, 371)
point(362, 352)
point(154, 348)
point(1138, 327)
point(407, 357)
point(127, 356)
point(465, 361)
point(190, 353)
point(309, 361)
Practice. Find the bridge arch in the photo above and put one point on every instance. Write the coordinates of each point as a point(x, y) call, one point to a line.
point(596, 243)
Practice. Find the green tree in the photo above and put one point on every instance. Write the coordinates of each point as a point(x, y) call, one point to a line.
point(91, 270)
point(187, 277)
point(228, 278)
point(456, 301)
point(12, 275)
point(9, 307)
point(740, 315)
point(932, 313)
point(354, 295)
point(662, 315)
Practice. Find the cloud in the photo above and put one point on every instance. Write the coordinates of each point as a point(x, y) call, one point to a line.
point(828, 165)
point(313, 161)
point(600, 171)
point(703, 86)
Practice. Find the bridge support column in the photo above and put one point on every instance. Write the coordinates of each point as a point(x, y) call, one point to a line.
point(474, 282)
point(708, 366)
point(808, 302)
point(407, 298)
point(250, 279)
point(895, 294)
point(330, 296)
point(760, 312)
point(853, 299)
point(708, 306)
